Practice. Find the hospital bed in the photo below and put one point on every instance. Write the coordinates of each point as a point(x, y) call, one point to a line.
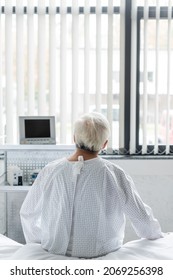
point(142, 249)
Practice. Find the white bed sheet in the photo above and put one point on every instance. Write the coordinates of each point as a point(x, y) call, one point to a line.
point(160, 249)
point(8, 247)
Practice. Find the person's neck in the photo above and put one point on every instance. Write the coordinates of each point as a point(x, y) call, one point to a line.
point(86, 155)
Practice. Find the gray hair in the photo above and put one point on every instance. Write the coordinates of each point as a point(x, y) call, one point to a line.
point(91, 131)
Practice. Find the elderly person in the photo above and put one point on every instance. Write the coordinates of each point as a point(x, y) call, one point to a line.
point(77, 205)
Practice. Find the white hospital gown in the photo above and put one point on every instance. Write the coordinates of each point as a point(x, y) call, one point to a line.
point(78, 208)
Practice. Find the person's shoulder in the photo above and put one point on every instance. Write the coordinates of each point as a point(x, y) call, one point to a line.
point(52, 165)
point(121, 175)
point(111, 164)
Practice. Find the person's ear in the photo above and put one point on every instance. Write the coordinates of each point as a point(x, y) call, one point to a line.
point(105, 144)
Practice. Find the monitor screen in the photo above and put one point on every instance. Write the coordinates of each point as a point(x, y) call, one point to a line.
point(37, 128)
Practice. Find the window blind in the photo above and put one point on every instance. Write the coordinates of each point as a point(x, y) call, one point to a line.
point(61, 58)
point(151, 71)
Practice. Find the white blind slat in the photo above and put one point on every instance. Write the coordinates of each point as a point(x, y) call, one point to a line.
point(31, 58)
point(86, 55)
point(75, 60)
point(41, 57)
point(98, 55)
point(9, 72)
point(133, 80)
point(20, 58)
point(122, 73)
point(145, 83)
point(52, 58)
point(110, 70)
point(63, 69)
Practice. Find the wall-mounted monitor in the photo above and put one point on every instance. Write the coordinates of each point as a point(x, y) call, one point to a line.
point(37, 130)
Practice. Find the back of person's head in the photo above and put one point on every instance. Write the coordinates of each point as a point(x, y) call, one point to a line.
point(91, 131)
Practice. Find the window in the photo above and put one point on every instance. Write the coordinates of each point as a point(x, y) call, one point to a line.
point(59, 58)
point(155, 85)
point(67, 57)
